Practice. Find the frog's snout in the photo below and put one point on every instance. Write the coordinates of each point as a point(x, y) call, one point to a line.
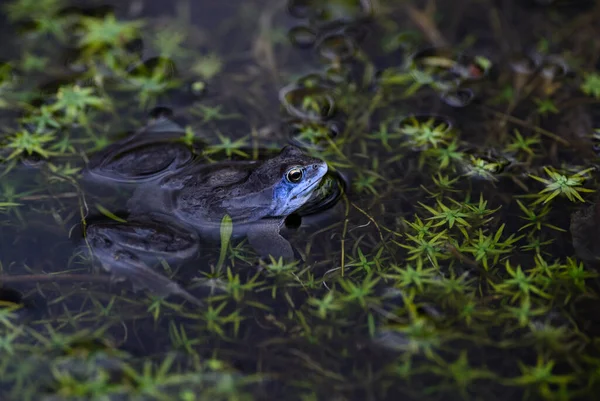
point(321, 168)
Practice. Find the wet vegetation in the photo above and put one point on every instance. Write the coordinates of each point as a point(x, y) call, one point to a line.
point(452, 252)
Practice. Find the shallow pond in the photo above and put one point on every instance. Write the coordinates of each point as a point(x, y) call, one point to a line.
point(449, 252)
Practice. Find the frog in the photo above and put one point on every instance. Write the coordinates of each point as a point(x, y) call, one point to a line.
point(257, 195)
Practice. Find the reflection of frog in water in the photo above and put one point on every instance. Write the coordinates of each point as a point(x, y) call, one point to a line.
point(178, 200)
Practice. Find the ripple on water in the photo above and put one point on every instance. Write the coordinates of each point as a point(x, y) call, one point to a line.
point(146, 155)
point(336, 47)
point(448, 71)
point(302, 37)
point(313, 103)
point(458, 98)
point(448, 66)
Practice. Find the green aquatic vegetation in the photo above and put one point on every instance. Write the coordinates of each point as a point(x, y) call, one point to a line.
point(4, 206)
point(488, 248)
point(520, 284)
point(460, 375)
point(446, 156)
point(591, 85)
point(212, 113)
point(7, 85)
point(25, 9)
point(384, 135)
point(536, 219)
point(99, 34)
point(536, 244)
point(73, 102)
point(279, 267)
point(443, 183)
point(59, 172)
point(477, 167)
point(44, 119)
point(429, 246)
point(560, 184)
point(170, 43)
point(426, 134)
point(480, 210)
point(229, 147)
point(407, 277)
point(313, 134)
point(419, 337)
point(327, 305)
point(540, 377)
point(526, 313)
point(362, 293)
point(237, 288)
point(54, 25)
point(366, 182)
point(366, 263)
point(215, 320)
point(525, 145)
point(446, 215)
point(546, 106)
point(574, 273)
point(316, 105)
point(208, 66)
point(63, 146)
point(26, 143)
point(369, 180)
point(149, 88)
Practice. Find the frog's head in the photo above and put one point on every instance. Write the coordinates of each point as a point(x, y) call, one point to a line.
point(293, 176)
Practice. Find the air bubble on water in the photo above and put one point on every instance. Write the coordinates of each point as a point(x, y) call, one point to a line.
point(302, 37)
point(161, 112)
point(336, 47)
point(554, 67)
point(458, 98)
point(299, 8)
point(313, 103)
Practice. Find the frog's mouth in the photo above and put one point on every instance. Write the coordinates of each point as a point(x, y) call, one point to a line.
point(308, 190)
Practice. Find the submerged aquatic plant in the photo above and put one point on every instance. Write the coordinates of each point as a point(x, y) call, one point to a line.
point(425, 134)
point(25, 142)
point(591, 85)
point(559, 184)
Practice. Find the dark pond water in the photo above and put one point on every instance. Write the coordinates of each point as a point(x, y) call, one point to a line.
point(450, 252)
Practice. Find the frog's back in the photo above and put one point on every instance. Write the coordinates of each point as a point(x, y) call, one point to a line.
point(224, 189)
point(202, 194)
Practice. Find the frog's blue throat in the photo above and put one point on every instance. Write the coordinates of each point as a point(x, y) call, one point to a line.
point(289, 197)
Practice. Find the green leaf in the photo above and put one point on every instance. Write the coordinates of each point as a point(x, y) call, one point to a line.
point(226, 230)
point(109, 214)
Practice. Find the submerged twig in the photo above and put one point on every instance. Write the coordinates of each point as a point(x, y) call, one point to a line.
point(423, 20)
point(525, 124)
point(36, 278)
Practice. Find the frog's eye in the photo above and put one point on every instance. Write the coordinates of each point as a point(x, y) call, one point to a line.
point(294, 175)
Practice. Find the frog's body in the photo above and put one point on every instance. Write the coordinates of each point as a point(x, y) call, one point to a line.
point(256, 195)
